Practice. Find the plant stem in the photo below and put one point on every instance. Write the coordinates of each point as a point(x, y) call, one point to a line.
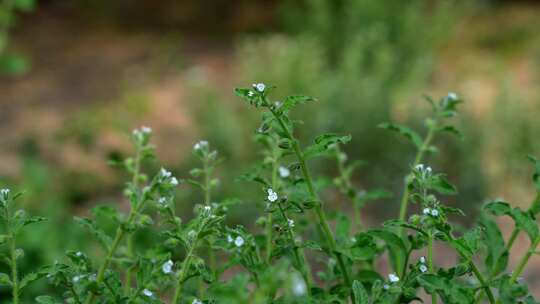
point(298, 256)
point(13, 259)
point(478, 274)
point(181, 277)
point(405, 198)
point(524, 260)
point(130, 237)
point(112, 250)
point(510, 243)
point(430, 263)
point(269, 230)
point(323, 222)
point(101, 272)
point(417, 160)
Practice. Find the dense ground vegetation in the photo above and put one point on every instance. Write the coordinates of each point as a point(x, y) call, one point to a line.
point(298, 254)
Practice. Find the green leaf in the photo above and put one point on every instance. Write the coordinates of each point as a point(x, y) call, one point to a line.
point(536, 173)
point(498, 208)
point(323, 143)
point(31, 277)
point(452, 130)
point(4, 279)
point(46, 300)
point(441, 185)
point(526, 222)
point(102, 237)
point(294, 100)
point(33, 220)
point(432, 282)
point(394, 242)
point(405, 131)
point(497, 255)
point(360, 293)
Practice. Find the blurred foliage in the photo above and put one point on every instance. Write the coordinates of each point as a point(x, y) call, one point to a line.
point(12, 63)
point(363, 60)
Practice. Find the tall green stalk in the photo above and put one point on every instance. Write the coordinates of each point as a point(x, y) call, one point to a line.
point(321, 216)
point(12, 259)
point(430, 263)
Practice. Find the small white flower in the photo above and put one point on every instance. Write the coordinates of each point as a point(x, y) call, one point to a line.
point(78, 253)
point(146, 130)
point(426, 211)
point(229, 238)
point(77, 279)
point(147, 293)
point(5, 191)
point(200, 145)
point(434, 212)
point(239, 241)
point(196, 301)
point(165, 173)
point(167, 267)
point(174, 181)
point(428, 169)
point(260, 87)
point(284, 172)
point(393, 278)
point(452, 96)
point(423, 268)
point(422, 260)
point(272, 196)
point(290, 223)
point(250, 94)
point(299, 286)
point(419, 167)
point(207, 208)
point(386, 286)
point(162, 201)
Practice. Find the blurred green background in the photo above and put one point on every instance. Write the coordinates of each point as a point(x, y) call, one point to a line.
point(77, 76)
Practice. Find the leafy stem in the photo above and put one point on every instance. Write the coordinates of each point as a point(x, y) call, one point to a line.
point(13, 258)
point(323, 222)
point(131, 236)
point(525, 259)
point(418, 158)
point(430, 263)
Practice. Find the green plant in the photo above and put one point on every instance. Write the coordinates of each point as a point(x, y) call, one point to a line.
point(11, 63)
point(13, 221)
point(301, 253)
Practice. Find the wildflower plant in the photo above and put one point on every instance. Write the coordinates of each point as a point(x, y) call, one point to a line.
point(294, 252)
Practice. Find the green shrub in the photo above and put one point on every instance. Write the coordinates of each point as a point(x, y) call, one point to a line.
point(300, 253)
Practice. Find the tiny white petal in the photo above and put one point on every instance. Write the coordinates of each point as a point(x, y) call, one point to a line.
point(284, 172)
point(419, 167)
point(260, 87)
point(148, 293)
point(196, 301)
point(299, 286)
point(422, 260)
point(426, 211)
point(167, 267)
point(423, 268)
point(452, 96)
point(290, 223)
point(239, 241)
point(434, 212)
point(174, 181)
point(229, 238)
point(162, 200)
point(272, 196)
point(393, 278)
point(146, 129)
